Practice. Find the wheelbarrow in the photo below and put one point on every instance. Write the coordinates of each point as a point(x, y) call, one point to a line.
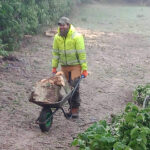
point(45, 118)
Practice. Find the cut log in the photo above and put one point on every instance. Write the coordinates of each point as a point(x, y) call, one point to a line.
point(50, 33)
point(51, 90)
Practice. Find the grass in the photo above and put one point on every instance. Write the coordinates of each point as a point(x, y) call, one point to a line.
point(107, 18)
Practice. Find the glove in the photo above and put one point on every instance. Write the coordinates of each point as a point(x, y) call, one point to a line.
point(54, 71)
point(84, 74)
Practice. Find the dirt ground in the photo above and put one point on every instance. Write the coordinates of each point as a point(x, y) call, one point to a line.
point(117, 63)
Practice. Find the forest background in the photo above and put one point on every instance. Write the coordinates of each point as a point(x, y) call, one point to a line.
point(27, 17)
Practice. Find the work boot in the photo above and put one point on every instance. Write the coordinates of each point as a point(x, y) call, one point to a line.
point(73, 113)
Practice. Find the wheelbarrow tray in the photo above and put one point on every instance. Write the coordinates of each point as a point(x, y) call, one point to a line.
point(57, 104)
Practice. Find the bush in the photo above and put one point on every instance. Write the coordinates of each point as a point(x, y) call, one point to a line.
point(2, 51)
point(140, 93)
point(24, 17)
point(128, 131)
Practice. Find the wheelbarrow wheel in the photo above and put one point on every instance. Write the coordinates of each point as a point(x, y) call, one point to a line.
point(146, 102)
point(45, 119)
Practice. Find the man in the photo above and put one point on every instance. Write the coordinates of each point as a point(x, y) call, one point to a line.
point(69, 51)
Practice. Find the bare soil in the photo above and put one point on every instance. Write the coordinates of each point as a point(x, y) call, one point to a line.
point(117, 63)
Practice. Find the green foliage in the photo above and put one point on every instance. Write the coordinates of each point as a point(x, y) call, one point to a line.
point(24, 17)
point(128, 131)
point(133, 128)
point(121, 146)
point(2, 49)
point(9, 27)
point(95, 137)
point(140, 93)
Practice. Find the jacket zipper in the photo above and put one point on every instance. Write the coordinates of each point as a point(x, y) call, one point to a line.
point(65, 49)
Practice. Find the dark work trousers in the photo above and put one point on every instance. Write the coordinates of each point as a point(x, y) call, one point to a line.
point(72, 74)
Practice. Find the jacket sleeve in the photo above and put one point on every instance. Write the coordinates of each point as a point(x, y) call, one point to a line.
point(55, 53)
point(81, 53)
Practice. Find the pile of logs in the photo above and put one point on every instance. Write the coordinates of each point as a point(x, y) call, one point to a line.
point(51, 90)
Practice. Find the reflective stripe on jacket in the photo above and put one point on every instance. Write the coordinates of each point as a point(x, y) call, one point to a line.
point(69, 50)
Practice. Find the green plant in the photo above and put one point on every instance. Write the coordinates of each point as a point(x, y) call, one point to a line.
point(2, 49)
point(18, 18)
point(133, 128)
point(96, 137)
point(128, 131)
point(141, 92)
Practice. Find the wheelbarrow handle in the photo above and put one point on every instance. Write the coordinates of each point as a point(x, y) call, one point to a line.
point(82, 76)
point(75, 88)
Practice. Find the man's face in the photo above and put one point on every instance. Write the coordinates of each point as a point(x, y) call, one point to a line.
point(64, 28)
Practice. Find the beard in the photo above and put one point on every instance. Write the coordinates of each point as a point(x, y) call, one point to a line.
point(64, 32)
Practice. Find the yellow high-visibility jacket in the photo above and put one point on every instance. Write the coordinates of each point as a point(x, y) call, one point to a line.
point(70, 50)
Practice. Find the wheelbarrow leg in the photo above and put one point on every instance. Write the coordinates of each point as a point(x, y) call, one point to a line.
point(66, 116)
